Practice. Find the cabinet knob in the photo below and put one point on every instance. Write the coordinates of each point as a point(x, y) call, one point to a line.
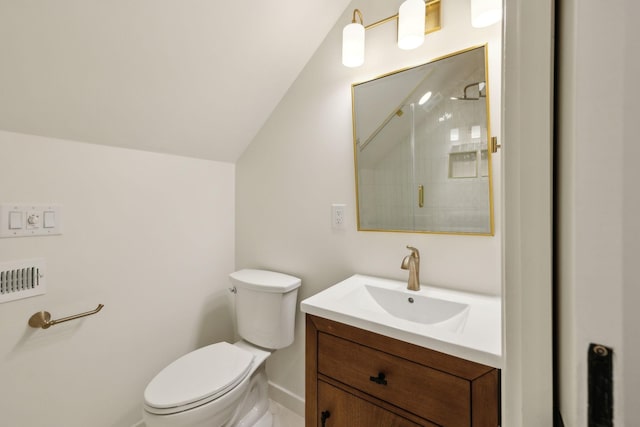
point(380, 379)
point(323, 417)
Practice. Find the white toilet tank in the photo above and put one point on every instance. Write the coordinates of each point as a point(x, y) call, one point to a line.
point(265, 307)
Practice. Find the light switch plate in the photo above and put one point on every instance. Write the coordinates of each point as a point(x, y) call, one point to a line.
point(26, 219)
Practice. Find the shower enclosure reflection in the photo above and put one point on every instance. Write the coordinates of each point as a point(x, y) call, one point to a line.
point(421, 148)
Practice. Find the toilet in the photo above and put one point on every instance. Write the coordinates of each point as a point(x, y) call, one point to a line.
point(223, 384)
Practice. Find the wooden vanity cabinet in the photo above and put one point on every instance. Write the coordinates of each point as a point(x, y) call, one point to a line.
point(356, 378)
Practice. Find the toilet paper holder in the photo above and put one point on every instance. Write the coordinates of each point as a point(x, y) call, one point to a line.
point(42, 319)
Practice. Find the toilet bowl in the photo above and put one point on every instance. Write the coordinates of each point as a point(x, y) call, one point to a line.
point(223, 384)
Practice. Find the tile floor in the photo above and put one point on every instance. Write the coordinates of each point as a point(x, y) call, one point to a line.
point(283, 417)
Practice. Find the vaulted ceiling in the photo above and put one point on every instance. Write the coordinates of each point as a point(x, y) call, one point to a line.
point(190, 77)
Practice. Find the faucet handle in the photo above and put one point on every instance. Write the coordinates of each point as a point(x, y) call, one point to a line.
point(414, 251)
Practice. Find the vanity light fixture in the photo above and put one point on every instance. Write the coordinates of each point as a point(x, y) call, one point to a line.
point(411, 24)
point(415, 19)
point(353, 42)
point(485, 12)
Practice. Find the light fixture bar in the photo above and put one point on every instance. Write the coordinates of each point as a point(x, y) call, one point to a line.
point(382, 21)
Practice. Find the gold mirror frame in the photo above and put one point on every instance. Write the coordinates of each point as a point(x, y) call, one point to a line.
point(464, 160)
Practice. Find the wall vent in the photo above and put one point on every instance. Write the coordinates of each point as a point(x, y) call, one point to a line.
point(21, 279)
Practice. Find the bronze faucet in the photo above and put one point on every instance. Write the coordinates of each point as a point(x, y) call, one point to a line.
point(412, 263)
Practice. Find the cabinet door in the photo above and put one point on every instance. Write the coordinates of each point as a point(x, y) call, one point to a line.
point(347, 410)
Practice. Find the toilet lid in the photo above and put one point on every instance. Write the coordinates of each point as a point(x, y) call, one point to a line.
point(203, 374)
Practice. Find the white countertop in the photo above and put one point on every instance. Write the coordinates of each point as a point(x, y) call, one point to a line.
point(475, 334)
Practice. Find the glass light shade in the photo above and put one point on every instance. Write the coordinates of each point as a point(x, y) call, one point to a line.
point(411, 22)
point(485, 12)
point(353, 45)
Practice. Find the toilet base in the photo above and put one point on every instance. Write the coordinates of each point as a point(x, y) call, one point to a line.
point(254, 411)
point(245, 406)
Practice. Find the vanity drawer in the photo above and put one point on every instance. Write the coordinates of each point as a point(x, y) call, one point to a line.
point(426, 392)
point(346, 410)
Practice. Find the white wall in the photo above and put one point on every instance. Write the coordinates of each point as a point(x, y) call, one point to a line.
point(302, 161)
point(150, 236)
point(599, 202)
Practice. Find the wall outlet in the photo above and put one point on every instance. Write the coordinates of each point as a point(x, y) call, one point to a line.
point(338, 217)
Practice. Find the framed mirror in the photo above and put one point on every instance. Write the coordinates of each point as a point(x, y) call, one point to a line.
point(421, 146)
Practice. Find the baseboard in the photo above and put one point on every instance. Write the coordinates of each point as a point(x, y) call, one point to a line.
point(289, 400)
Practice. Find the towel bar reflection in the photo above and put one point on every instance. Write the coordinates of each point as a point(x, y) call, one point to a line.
point(42, 319)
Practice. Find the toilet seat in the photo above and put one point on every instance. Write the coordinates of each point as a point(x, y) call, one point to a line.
point(197, 378)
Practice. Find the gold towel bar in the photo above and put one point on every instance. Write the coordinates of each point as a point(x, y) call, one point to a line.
point(42, 319)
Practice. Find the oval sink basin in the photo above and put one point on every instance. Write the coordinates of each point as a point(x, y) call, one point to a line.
point(417, 308)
